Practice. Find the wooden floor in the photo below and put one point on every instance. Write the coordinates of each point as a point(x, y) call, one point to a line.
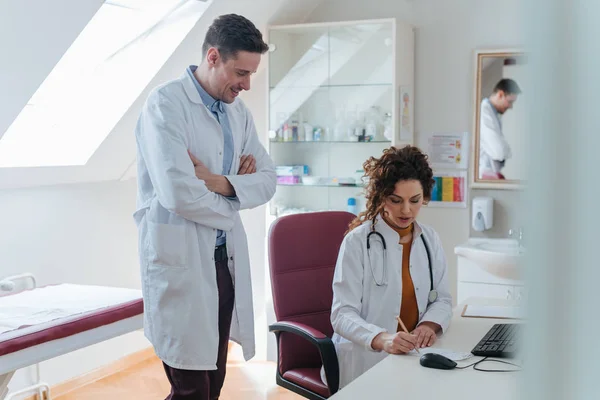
point(146, 380)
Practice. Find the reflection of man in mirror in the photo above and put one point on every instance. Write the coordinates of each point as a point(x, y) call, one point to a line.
point(494, 150)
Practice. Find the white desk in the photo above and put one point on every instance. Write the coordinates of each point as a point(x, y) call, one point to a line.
point(401, 376)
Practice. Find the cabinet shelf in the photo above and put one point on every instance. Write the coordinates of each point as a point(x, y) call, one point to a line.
point(328, 141)
point(331, 86)
point(336, 185)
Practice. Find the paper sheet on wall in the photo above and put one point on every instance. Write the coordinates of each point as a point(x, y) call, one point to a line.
point(446, 150)
point(406, 113)
point(453, 355)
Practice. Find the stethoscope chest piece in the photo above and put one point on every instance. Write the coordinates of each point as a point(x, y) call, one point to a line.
point(433, 295)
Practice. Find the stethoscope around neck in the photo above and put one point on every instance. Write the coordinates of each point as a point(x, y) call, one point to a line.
point(433, 294)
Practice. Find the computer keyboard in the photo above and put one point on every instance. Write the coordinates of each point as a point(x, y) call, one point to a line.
point(500, 341)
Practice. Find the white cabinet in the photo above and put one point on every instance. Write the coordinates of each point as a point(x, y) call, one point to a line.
point(474, 281)
point(333, 103)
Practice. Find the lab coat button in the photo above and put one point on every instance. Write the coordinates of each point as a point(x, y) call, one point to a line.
point(231, 258)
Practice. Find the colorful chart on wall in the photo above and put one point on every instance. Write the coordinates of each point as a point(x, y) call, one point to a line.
point(450, 189)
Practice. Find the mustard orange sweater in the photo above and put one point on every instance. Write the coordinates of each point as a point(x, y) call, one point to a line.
point(409, 310)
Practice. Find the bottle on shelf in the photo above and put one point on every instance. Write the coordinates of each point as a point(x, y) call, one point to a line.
point(387, 126)
point(294, 131)
point(372, 120)
point(339, 131)
point(287, 133)
point(352, 206)
point(308, 132)
point(318, 134)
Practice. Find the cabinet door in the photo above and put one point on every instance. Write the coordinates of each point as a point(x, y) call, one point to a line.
point(468, 289)
point(520, 293)
point(468, 271)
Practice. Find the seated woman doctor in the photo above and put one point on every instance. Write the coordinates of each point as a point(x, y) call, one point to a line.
point(389, 266)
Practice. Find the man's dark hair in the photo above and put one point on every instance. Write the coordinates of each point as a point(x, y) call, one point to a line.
point(508, 86)
point(231, 33)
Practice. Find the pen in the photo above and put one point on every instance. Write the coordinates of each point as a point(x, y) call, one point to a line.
point(406, 330)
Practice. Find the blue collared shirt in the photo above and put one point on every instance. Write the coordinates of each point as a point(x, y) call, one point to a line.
point(218, 110)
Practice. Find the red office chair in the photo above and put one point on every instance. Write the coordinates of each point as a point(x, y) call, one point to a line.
point(303, 250)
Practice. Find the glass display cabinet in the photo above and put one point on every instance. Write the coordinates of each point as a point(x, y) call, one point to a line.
point(334, 101)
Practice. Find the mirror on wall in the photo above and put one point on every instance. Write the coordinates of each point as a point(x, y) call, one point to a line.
point(499, 131)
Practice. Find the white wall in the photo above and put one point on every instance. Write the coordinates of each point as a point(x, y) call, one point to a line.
point(447, 33)
point(82, 234)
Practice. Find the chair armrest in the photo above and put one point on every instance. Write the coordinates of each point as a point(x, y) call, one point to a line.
point(323, 344)
point(311, 334)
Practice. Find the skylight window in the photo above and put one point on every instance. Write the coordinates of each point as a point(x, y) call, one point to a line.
point(96, 81)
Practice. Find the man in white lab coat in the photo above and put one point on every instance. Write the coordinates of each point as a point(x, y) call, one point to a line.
point(494, 150)
point(199, 163)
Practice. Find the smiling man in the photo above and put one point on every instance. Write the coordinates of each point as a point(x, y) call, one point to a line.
point(199, 163)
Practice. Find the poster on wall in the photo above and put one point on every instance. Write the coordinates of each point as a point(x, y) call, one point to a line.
point(450, 189)
point(446, 150)
point(406, 112)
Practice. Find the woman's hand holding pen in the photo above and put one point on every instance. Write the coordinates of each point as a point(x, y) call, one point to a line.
point(394, 343)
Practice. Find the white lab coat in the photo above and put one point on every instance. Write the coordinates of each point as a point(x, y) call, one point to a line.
point(178, 218)
point(493, 147)
point(361, 309)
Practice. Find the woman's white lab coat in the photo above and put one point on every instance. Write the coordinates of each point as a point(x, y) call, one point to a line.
point(178, 219)
point(361, 309)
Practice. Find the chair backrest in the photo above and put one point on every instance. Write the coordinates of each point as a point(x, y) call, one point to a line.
point(303, 250)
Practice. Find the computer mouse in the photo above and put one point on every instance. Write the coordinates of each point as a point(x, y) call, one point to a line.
point(438, 361)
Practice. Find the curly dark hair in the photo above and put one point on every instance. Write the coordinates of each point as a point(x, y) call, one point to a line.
point(231, 33)
point(396, 164)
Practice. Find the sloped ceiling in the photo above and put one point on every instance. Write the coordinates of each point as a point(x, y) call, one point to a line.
point(115, 158)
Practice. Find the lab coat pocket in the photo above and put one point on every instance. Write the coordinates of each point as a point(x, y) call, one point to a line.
point(167, 245)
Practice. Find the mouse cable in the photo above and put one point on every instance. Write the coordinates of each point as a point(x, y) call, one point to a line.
point(470, 365)
point(496, 370)
point(475, 364)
